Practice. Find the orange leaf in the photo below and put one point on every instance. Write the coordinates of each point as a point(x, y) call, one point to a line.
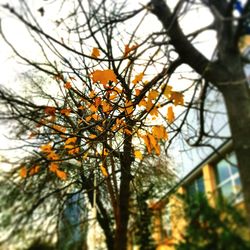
point(138, 78)
point(159, 132)
point(177, 98)
point(53, 156)
point(46, 148)
point(128, 49)
point(74, 151)
point(103, 76)
point(61, 174)
point(50, 110)
point(153, 94)
point(59, 128)
point(170, 115)
point(65, 112)
point(53, 167)
point(71, 140)
point(92, 136)
point(34, 170)
point(129, 108)
point(167, 91)
point(93, 108)
point(67, 85)
point(95, 53)
point(23, 172)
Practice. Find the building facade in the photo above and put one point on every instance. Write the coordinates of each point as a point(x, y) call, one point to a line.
point(216, 177)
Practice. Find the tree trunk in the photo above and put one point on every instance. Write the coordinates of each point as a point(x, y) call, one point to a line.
point(121, 231)
point(237, 99)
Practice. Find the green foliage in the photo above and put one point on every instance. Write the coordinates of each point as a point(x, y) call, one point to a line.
point(38, 245)
point(216, 228)
point(143, 222)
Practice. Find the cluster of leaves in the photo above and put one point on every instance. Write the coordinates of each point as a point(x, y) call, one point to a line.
point(102, 111)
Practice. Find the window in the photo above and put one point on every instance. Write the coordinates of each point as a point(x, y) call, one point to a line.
point(196, 186)
point(228, 180)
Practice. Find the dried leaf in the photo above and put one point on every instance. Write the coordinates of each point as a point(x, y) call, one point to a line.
point(138, 78)
point(61, 174)
point(103, 170)
point(50, 110)
point(53, 167)
point(177, 98)
point(138, 154)
point(65, 111)
point(46, 148)
point(67, 85)
point(170, 114)
point(103, 76)
point(159, 132)
point(23, 172)
point(128, 49)
point(95, 53)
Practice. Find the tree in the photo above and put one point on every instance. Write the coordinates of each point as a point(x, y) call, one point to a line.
point(225, 72)
point(126, 71)
point(90, 133)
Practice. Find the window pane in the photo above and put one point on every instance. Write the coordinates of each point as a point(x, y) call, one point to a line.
point(191, 189)
point(223, 171)
point(227, 190)
point(200, 185)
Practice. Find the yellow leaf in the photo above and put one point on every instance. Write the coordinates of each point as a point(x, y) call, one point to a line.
point(103, 76)
point(65, 111)
point(95, 53)
point(23, 172)
point(85, 156)
point(170, 115)
point(138, 78)
point(138, 154)
point(61, 174)
point(147, 142)
point(104, 171)
point(53, 167)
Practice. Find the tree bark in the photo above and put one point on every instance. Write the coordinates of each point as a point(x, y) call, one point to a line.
point(121, 231)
